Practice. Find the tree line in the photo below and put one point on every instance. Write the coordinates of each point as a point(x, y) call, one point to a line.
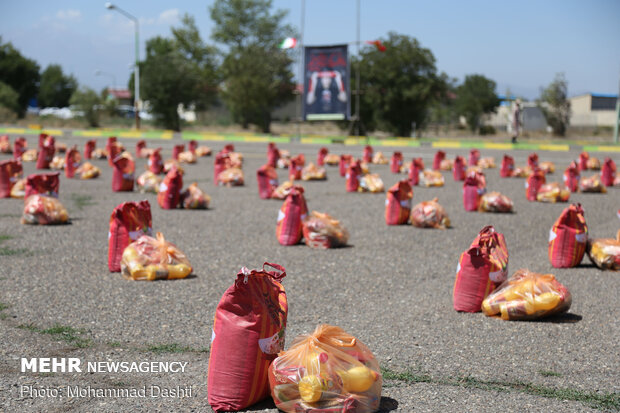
point(400, 87)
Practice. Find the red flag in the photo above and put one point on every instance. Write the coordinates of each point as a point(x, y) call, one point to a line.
point(380, 47)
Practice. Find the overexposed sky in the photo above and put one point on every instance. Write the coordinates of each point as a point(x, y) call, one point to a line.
point(520, 45)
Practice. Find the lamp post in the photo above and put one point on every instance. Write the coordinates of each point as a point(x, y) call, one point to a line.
point(102, 73)
point(136, 82)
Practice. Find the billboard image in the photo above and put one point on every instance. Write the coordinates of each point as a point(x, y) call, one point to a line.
point(326, 83)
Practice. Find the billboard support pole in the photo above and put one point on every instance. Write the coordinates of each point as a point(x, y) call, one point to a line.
point(300, 62)
point(356, 125)
point(617, 118)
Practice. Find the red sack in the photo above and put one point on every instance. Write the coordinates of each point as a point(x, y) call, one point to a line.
point(128, 222)
point(439, 156)
point(273, 155)
point(320, 159)
point(222, 162)
point(267, 178)
point(608, 172)
point(89, 147)
point(248, 334)
point(459, 169)
point(141, 144)
point(571, 177)
point(42, 137)
point(46, 153)
point(508, 165)
point(482, 268)
point(343, 165)
point(44, 184)
point(112, 149)
point(533, 184)
point(229, 148)
point(396, 162)
point(176, 150)
point(169, 194)
point(473, 188)
point(73, 159)
point(10, 172)
point(568, 238)
point(122, 177)
point(19, 147)
point(156, 165)
point(295, 167)
point(532, 160)
point(290, 217)
point(474, 157)
point(398, 203)
point(583, 161)
point(5, 144)
point(415, 167)
point(368, 152)
point(354, 174)
point(192, 145)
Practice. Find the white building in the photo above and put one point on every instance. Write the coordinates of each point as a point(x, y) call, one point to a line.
point(593, 110)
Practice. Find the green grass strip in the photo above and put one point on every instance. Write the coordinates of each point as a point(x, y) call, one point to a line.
point(598, 400)
point(67, 334)
point(173, 348)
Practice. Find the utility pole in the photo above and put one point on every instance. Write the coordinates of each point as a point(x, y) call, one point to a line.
point(617, 122)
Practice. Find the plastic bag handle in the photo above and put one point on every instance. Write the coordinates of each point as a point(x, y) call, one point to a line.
point(276, 275)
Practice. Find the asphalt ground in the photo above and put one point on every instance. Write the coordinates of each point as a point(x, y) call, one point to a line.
point(391, 288)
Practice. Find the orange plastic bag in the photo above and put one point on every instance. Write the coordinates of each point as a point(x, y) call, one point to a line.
point(527, 296)
point(431, 178)
point(149, 182)
point(323, 231)
point(371, 183)
point(148, 259)
point(88, 171)
point(552, 192)
point(195, 198)
point(592, 184)
point(44, 210)
point(429, 214)
point(495, 202)
point(326, 371)
point(605, 252)
point(231, 177)
point(311, 172)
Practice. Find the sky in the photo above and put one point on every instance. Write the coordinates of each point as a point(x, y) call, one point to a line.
point(520, 45)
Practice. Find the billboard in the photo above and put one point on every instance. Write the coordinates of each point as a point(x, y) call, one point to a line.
point(326, 83)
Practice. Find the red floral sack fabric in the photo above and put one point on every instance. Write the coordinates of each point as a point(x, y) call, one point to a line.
point(248, 334)
point(128, 222)
point(482, 268)
point(568, 238)
point(291, 216)
point(398, 203)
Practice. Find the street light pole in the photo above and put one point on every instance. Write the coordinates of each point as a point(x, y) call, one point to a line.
point(357, 77)
point(136, 80)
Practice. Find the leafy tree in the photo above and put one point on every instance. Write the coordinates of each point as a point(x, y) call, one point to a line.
point(476, 97)
point(442, 111)
point(88, 102)
point(555, 105)
point(55, 89)
point(398, 85)
point(189, 42)
point(257, 75)
point(20, 73)
point(177, 70)
point(9, 98)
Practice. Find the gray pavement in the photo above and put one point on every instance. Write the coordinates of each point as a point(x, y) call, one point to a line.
point(392, 288)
